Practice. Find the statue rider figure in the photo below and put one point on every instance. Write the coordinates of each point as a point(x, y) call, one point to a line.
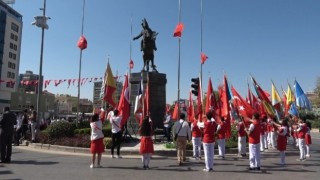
point(148, 45)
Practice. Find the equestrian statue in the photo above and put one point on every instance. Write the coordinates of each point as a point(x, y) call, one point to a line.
point(148, 45)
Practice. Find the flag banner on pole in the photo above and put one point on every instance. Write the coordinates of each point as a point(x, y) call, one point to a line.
point(82, 43)
point(265, 101)
point(109, 87)
point(138, 107)
point(204, 57)
point(178, 30)
point(302, 100)
point(124, 105)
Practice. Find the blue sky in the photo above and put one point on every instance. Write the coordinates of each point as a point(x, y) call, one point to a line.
point(275, 40)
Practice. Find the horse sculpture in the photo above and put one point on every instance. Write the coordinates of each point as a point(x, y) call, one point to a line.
point(148, 45)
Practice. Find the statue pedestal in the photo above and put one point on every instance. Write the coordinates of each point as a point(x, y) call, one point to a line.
point(157, 98)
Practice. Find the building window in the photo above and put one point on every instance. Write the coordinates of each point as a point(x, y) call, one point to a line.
point(12, 55)
point(10, 84)
point(11, 75)
point(14, 37)
point(14, 27)
point(11, 65)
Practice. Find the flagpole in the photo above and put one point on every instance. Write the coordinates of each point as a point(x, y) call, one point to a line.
point(201, 17)
point(179, 42)
point(40, 81)
point(80, 62)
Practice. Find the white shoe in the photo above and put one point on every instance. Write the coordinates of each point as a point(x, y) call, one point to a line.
point(308, 155)
point(112, 156)
point(91, 166)
point(118, 156)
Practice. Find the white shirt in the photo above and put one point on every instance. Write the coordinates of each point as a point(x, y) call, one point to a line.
point(167, 121)
point(96, 130)
point(115, 123)
point(185, 129)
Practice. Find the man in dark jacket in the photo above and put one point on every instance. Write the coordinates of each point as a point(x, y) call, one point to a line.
point(7, 123)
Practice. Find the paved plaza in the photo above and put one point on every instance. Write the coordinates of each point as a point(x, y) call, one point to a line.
point(29, 162)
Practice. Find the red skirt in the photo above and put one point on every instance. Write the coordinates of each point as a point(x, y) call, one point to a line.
point(308, 139)
point(97, 146)
point(146, 145)
point(282, 143)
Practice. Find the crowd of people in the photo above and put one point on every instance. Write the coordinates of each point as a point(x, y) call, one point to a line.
point(262, 131)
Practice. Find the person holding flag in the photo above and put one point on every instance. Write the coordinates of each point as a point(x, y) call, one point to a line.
point(221, 135)
point(196, 138)
point(209, 131)
point(282, 139)
point(115, 122)
point(302, 130)
point(254, 142)
point(242, 138)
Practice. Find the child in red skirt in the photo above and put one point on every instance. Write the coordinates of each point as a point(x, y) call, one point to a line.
point(282, 140)
point(97, 146)
point(308, 139)
point(146, 143)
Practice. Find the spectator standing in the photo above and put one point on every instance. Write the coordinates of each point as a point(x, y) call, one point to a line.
point(7, 123)
point(182, 133)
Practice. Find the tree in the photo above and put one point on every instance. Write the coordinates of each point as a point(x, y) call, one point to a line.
point(317, 91)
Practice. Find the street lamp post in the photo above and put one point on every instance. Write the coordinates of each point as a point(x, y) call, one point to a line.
point(41, 22)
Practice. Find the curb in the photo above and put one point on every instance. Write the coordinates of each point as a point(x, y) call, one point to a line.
point(124, 151)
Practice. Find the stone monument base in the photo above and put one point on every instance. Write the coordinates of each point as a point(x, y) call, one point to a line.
point(157, 98)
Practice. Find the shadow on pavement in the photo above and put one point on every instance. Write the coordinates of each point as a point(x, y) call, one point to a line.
point(34, 162)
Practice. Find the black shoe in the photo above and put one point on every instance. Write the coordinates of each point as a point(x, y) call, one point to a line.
point(251, 169)
point(257, 168)
point(144, 167)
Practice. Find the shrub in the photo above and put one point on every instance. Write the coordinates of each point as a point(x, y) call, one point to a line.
point(61, 129)
point(83, 124)
point(170, 145)
point(107, 142)
point(107, 131)
point(43, 137)
point(232, 142)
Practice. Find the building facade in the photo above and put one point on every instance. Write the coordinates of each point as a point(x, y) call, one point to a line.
point(10, 48)
point(21, 100)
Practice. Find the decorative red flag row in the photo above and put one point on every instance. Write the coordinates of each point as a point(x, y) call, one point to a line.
point(56, 82)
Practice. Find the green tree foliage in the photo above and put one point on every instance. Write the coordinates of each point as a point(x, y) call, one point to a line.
point(317, 91)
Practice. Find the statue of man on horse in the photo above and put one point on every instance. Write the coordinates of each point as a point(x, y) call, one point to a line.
point(148, 45)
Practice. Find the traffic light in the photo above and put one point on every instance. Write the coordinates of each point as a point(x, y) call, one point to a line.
point(195, 86)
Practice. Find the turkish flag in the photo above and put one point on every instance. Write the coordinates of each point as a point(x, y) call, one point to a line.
point(204, 57)
point(124, 106)
point(82, 43)
point(178, 30)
